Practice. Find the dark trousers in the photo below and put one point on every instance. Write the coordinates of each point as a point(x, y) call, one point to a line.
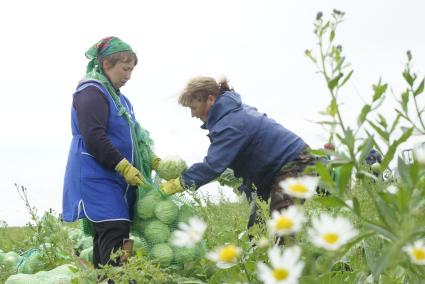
point(108, 237)
point(279, 200)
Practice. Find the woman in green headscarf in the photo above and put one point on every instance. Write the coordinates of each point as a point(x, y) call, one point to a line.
point(110, 154)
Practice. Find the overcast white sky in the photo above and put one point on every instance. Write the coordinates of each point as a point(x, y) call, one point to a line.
point(258, 45)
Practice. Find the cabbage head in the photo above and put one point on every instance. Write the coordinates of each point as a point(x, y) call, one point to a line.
point(171, 167)
point(32, 263)
point(140, 245)
point(145, 206)
point(10, 260)
point(87, 254)
point(157, 232)
point(183, 254)
point(185, 213)
point(162, 253)
point(166, 211)
point(61, 274)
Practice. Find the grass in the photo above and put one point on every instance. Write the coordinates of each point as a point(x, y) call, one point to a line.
point(15, 238)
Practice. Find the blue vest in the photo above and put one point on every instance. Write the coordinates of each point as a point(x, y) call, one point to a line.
point(90, 189)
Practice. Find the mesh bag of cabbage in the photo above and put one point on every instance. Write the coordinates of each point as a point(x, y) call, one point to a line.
point(156, 217)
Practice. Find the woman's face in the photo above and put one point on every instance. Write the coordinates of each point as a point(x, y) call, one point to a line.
point(118, 74)
point(200, 109)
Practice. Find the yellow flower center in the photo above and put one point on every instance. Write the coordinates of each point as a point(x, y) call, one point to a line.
point(419, 254)
point(331, 238)
point(280, 274)
point(228, 253)
point(298, 188)
point(284, 223)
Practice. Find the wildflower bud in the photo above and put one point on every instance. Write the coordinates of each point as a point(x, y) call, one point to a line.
point(319, 16)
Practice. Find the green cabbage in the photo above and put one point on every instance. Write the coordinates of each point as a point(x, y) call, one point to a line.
point(87, 254)
point(171, 167)
point(84, 243)
point(166, 211)
point(22, 279)
point(183, 254)
point(140, 245)
point(145, 207)
point(162, 253)
point(157, 232)
point(32, 263)
point(138, 226)
point(61, 274)
point(10, 260)
point(186, 212)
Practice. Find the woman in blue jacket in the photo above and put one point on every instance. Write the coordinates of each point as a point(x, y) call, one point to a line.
point(255, 146)
point(110, 154)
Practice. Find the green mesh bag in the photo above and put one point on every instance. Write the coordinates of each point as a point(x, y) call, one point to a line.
point(156, 217)
point(87, 227)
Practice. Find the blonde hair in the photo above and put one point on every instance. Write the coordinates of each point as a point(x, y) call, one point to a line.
point(199, 88)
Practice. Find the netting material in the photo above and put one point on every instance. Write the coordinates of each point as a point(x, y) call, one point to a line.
point(156, 217)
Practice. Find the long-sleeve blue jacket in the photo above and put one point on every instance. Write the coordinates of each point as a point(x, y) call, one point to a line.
point(245, 140)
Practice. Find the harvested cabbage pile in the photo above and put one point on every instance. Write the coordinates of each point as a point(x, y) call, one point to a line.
point(61, 274)
point(156, 217)
point(171, 167)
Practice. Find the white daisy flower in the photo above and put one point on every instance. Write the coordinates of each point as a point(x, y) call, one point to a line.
point(285, 268)
point(419, 154)
point(286, 222)
point(416, 252)
point(392, 189)
point(189, 234)
point(300, 187)
point(225, 256)
point(331, 233)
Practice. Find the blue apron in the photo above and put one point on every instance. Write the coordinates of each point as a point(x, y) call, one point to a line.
point(90, 189)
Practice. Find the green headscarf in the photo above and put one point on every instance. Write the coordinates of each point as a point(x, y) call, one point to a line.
point(142, 143)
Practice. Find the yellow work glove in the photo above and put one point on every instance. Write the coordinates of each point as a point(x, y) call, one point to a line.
point(131, 175)
point(172, 186)
point(155, 163)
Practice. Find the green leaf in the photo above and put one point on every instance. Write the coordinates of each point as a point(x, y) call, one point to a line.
point(409, 78)
point(331, 201)
point(387, 257)
point(393, 147)
point(332, 35)
point(325, 176)
point(344, 177)
point(333, 107)
point(356, 240)
point(348, 138)
point(405, 100)
point(362, 117)
point(386, 212)
point(327, 122)
point(382, 121)
point(338, 66)
point(403, 171)
point(356, 206)
point(334, 82)
point(382, 132)
point(395, 123)
point(380, 230)
point(365, 148)
point(379, 90)
point(420, 88)
point(346, 78)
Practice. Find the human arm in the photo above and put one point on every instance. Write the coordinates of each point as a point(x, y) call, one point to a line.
point(226, 144)
point(92, 114)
